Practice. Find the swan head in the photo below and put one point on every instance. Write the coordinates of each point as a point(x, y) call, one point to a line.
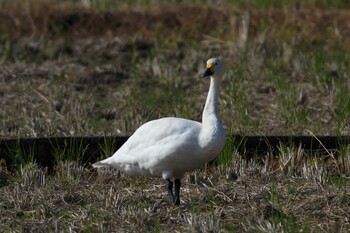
point(214, 67)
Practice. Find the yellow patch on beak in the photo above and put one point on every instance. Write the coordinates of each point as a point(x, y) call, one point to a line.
point(209, 71)
point(211, 67)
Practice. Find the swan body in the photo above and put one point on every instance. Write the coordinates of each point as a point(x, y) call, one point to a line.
point(169, 147)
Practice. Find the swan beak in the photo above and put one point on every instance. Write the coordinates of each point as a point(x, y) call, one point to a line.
point(209, 71)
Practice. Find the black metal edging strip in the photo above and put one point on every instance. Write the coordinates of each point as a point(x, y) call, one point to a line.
point(45, 149)
point(310, 144)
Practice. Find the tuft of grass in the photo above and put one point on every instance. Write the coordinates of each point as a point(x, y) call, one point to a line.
point(33, 176)
point(19, 156)
point(108, 147)
point(71, 151)
point(228, 156)
point(343, 159)
point(342, 108)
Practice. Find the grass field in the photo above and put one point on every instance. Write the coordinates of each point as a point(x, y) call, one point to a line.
point(80, 68)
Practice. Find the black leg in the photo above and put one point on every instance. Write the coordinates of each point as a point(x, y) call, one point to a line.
point(170, 190)
point(177, 191)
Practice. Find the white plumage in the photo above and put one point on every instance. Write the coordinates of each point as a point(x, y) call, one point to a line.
point(170, 147)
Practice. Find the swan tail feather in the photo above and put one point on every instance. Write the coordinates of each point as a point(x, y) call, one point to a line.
point(100, 164)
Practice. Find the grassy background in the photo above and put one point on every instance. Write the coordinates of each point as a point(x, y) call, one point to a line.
point(104, 68)
point(93, 70)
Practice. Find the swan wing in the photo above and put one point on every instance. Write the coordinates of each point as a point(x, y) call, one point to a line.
point(158, 147)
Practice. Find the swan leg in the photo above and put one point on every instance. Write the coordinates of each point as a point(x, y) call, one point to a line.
point(177, 191)
point(170, 190)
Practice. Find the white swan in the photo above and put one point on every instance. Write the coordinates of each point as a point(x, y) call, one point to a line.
point(169, 147)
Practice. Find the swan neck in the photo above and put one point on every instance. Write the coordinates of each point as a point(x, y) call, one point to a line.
point(210, 111)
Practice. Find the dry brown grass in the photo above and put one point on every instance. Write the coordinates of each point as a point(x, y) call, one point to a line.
point(56, 19)
point(56, 57)
point(81, 71)
point(215, 199)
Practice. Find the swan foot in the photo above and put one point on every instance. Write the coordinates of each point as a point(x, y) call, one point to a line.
point(177, 191)
point(174, 199)
point(170, 190)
